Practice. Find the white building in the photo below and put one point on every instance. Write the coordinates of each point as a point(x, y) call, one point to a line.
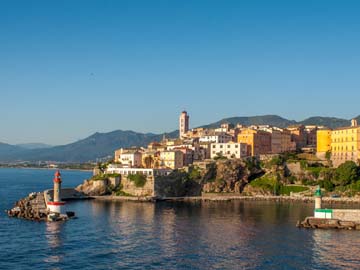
point(114, 168)
point(130, 158)
point(229, 150)
point(216, 138)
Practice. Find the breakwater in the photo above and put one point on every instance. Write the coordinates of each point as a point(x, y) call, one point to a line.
point(32, 207)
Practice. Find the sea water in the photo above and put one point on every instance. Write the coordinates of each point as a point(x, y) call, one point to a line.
point(165, 235)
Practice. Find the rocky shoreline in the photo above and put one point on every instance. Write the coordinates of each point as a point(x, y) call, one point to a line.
point(124, 198)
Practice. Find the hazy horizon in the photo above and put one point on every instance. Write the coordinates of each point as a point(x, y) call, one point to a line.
point(72, 68)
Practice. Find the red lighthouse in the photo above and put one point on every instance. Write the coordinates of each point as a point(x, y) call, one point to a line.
point(57, 187)
point(56, 204)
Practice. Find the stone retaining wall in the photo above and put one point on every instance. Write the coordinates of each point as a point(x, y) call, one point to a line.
point(147, 190)
point(347, 214)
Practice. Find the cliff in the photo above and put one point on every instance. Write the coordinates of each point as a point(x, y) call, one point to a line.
point(231, 176)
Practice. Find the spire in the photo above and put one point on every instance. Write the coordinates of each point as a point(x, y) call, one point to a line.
point(57, 177)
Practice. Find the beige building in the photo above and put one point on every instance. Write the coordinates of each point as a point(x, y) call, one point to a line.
point(280, 140)
point(276, 139)
point(155, 146)
point(172, 159)
point(286, 144)
point(229, 150)
point(129, 157)
point(202, 151)
point(298, 135)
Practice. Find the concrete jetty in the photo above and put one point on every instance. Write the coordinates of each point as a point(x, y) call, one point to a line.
point(348, 219)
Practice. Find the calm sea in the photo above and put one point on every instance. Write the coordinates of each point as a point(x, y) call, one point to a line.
point(129, 235)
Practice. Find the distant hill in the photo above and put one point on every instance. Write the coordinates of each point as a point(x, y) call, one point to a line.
point(100, 145)
point(278, 121)
point(273, 120)
point(330, 122)
point(95, 146)
point(7, 149)
point(34, 145)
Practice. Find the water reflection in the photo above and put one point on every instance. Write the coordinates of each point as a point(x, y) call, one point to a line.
point(336, 249)
point(54, 239)
point(199, 235)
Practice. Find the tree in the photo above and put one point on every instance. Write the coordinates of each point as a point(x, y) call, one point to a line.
point(346, 173)
point(149, 161)
point(328, 155)
point(101, 167)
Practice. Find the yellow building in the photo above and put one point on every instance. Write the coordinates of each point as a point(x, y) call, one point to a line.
point(345, 144)
point(323, 142)
point(172, 159)
point(258, 141)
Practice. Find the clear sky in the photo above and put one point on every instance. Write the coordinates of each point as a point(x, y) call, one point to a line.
point(71, 68)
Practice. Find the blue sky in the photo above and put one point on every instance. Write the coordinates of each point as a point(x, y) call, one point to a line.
point(71, 68)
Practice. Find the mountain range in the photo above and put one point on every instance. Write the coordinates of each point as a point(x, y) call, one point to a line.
point(100, 145)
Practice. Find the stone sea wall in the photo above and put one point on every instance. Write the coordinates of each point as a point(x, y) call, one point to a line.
point(129, 187)
point(347, 214)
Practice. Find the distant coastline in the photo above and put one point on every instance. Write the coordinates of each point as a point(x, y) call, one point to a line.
point(42, 168)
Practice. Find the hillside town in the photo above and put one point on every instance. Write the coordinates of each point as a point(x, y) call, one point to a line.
point(230, 141)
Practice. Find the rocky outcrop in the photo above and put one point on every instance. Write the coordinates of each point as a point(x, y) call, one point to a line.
point(231, 176)
point(178, 184)
point(222, 176)
point(249, 190)
point(94, 187)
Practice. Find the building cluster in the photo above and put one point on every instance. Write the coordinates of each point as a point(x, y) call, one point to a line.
point(227, 140)
point(339, 145)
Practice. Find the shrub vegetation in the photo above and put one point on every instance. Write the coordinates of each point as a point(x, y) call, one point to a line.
point(138, 179)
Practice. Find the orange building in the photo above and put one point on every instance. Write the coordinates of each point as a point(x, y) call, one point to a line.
point(258, 141)
point(298, 135)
